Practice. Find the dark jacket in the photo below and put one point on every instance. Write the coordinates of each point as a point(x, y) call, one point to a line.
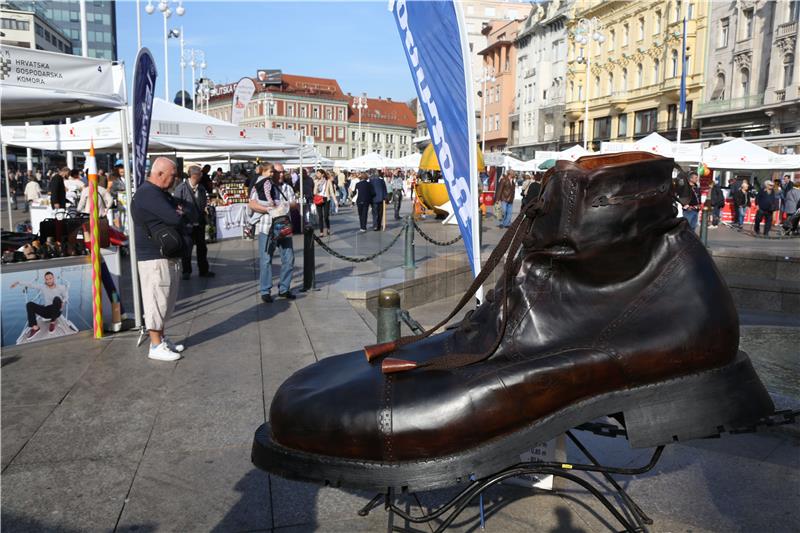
point(194, 207)
point(741, 198)
point(379, 189)
point(694, 196)
point(150, 208)
point(58, 192)
point(717, 198)
point(365, 192)
point(532, 193)
point(765, 201)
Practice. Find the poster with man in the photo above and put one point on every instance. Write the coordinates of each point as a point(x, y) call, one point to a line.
point(38, 306)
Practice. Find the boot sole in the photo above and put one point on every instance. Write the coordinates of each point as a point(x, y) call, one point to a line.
point(690, 407)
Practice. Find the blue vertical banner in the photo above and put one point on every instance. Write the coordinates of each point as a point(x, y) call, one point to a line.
point(144, 84)
point(683, 71)
point(434, 39)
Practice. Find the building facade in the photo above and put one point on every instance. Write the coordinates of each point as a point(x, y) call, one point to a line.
point(500, 61)
point(384, 126)
point(101, 22)
point(634, 80)
point(537, 122)
point(312, 106)
point(751, 82)
point(27, 29)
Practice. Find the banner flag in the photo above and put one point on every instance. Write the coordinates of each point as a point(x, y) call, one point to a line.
point(144, 84)
point(683, 71)
point(241, 97)
point(434, 39)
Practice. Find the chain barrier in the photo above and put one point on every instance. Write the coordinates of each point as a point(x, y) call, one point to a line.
point(364, 259)
point(431, 239)
point(412, 324)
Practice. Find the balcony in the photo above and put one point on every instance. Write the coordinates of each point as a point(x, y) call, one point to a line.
point(735, 104)
point(788, 28)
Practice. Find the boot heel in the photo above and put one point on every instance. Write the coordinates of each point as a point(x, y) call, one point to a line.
point(699, 405)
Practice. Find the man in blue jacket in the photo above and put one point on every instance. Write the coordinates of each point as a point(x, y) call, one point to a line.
point(364, 197)
point(379, 197)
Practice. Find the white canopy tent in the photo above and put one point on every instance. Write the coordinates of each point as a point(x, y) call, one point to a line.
point(409, 162)
point(173, 128)
point(570, 154)
point(741, 154)
point(365, 162)
point(495, 159)
point(657, 144)
point(39, 84)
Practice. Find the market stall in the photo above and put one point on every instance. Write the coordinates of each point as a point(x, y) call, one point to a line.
point(654, 143)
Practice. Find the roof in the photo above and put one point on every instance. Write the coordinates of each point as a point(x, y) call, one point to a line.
point(292, 84)
point(385, 111)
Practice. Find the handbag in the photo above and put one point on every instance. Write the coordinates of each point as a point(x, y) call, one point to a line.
point(281, 227)
point(319, 199)
point(168, 239)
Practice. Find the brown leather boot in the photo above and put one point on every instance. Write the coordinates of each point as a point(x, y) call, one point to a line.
point(608, 304)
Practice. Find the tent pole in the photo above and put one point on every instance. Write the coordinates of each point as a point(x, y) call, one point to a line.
point(8, 188)
point(126, 160)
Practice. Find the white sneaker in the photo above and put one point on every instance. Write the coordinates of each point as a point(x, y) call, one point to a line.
point(172, 346)
point(163, 353)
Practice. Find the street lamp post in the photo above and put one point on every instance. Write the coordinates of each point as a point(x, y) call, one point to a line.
point(588, 30)
point(487, 77)
point(166, 11)
point(196, 58)
point(183, 72)
point(360, 102)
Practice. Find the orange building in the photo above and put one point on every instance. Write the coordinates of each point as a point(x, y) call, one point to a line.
point(499, 60)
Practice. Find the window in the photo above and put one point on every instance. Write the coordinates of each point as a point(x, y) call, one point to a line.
point(688, 64)
point(290, 110)
point(744, 86)
point(672, 116)
point(497, 122)
point(39, 31)
point(353, 152)
point(788, 70)
point(722, 36)
point(639, 75)
point(794, 10)
point(622, 126)
point(747, 23)
point(303, 111)
point(624, 79)
point(339, 151)
point(580, 92)
point(572, 132)
point(328, 132)
point(353, 135)
point(572, 90)
point(625, 34)
point(678, 11)
point(329, 113)
point(610, 83)
point(690, 11)
point(340, 133)
point(656, 70)
point(327, 151)
point(341, 113)
point(645, 121)
point(612, 36)
point(315, 112)
point(302, 130)
point(687, 116)
point(641, 28)
point(657, 26)
point(602, 128)
point(674, 63)
point(596, 86)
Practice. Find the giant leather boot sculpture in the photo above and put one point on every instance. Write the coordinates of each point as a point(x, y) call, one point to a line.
point(612, 305)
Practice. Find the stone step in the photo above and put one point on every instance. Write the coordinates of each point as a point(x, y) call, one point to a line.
point(764, 294)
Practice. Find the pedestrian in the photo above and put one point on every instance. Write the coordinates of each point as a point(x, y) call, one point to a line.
point(271, 201)
point(13, 185)
point(792, 202)
point(324, 199)
point(397, 193)
point(55, 298)
point(155, 214)
point(363, 198)
point(717, 203)
point(206, 180)
point(58, 192)
point(741, 202)
point(116, 181)
point(194, 199)
point(691, 201)
point(765, 207)
point(379, 193)
point(104, 200)
point(534, 188)
point(505, 195)
point(33, 191)
point(74, 187)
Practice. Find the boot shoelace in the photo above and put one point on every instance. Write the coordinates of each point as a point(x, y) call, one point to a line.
point(510, 243)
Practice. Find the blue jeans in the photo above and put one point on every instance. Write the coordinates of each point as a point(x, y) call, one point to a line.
point(507, 207)
point(691, 217)
point(740, 215)
point(266, 249)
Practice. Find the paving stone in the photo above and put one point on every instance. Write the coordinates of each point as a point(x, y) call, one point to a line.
point(208, 490)
point(68, 496)
point(19, 425)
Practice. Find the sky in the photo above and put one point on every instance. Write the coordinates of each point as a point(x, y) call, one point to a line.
point(356, 43)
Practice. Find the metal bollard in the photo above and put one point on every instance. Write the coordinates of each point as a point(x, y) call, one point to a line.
point(704, 225)
point(388, 315)
point(309, 266)
point(408, 262)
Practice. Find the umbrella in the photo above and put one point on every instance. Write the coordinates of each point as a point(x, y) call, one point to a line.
point(547, 164)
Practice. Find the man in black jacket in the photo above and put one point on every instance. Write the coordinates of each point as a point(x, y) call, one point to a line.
point(153, 208)
point(717, 203)
point(364, 198)
point(379, 196)
point(765, 202)
point(58, 191)
point(194, 199)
